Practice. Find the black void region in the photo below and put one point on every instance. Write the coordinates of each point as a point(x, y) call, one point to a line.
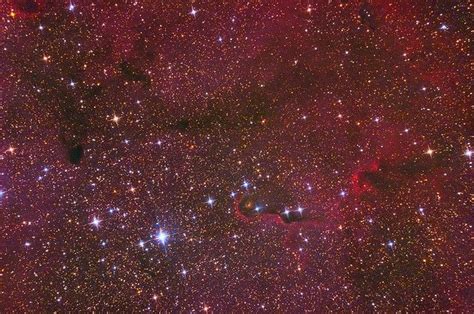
point(75, 154)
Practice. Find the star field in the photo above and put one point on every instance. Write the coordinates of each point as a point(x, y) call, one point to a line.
point(251, 156)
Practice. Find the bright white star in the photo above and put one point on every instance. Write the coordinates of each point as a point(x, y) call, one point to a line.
point(115, 119)
point(96, 222)
point(468, 153)
point(210, 201)
point(162, 237)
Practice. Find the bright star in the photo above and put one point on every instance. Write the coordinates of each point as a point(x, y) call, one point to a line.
point(71, 6)
point(141, 243)
point(210, 201)
point(246, 184)
point(468, 153)
point(444, 27)
point(162, 237)
point(115, 119)
point(96, 221)
point(300, 209)
point(193, 11)
point(429, 151)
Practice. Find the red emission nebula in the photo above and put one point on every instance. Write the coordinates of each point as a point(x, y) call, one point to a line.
point(236, 156)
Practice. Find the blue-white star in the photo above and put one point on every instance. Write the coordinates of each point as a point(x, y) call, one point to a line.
point(210, 201)
point(96, 222)
point(71, 6)
point(162, 236)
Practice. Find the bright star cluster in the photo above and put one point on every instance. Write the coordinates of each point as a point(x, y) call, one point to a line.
point(236, 156)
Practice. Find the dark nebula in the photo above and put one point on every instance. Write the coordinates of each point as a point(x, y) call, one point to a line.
point(367, 15)
point(182, 125)
point(27, 6)
point(273, 204)
point(132, 73)
point(75, 154)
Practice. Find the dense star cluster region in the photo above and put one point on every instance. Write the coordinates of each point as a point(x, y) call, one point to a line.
point(255, 156)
